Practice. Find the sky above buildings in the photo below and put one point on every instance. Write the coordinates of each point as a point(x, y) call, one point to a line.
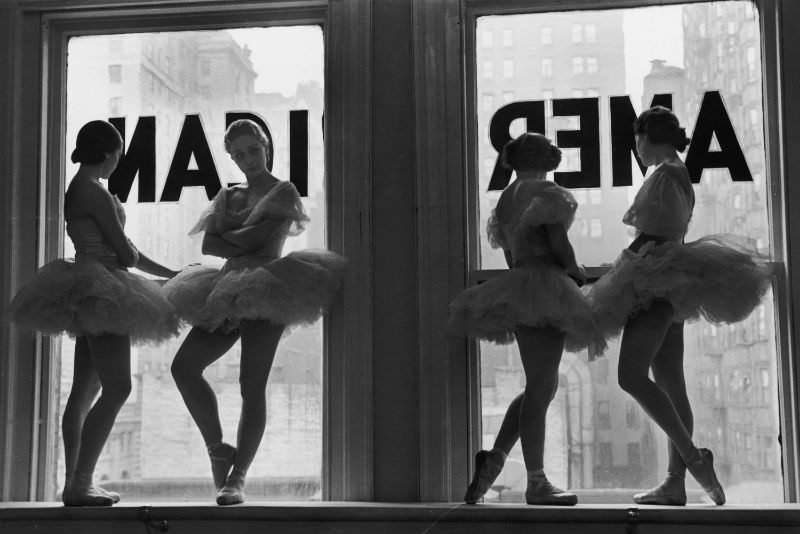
point(279, 71)
point(650, 33)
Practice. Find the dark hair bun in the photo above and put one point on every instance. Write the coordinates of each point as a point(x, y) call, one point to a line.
point(531, 151)
point(661, 126)
point(95, 140)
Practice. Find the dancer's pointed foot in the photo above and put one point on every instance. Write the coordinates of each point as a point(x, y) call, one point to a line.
point(671, 492)
point(488, 465)
point(222, 456)
point(541, 491)
point(79, 491)
point(113, 494)
point(233, 490)
point(702, 469)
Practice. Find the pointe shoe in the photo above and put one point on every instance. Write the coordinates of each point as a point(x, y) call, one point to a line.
point(541, 491)
point(113, 494)
point(488, 465)
point(79, 491)
point(671, 492)
point(222, 456)
point(702, 470)
point(233, 490)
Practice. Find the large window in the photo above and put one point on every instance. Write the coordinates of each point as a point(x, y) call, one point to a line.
point(183, 84)
point(597, 440)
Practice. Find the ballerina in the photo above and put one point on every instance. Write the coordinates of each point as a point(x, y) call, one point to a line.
point(253, 297)
point(658, 283)
point(95, 299)
point(537, 302)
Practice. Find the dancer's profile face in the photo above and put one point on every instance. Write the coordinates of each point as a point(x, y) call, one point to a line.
point(111, 161)
point(644, 149)
point(249, 154)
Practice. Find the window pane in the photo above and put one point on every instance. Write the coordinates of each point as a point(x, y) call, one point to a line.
point(155, 451)
point(598, 441)
point(638, 52)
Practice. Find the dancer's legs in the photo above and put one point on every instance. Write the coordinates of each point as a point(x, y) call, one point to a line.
point(200, 349)
point(85, 387)
point(668, 374)
point(111, 358)
point(540, 350)
point(259, 343)
point(508, 434)
point(642, 339)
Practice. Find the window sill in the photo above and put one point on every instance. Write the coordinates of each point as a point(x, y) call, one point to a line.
point(391, 517)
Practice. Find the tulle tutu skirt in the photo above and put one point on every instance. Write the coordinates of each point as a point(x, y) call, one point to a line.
point(538, 295)
point(295, 289)
point(85, 297)
point(717, 277)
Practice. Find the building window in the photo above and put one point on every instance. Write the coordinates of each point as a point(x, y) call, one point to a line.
point(631, 415)
point(763, 375)
point(508, 96)
point(752, 66)
point(487, 100)
point(591, 64)
point(508, 68)
point(546, 35)
point(596, 227)
point(487, 39)
point(577, 33)
point(577, 65)
point(580, 227)
point(488, 70)
point(508, 37)
point(591, 33)
point(115, 106)
point(115, 73)
point(547, 67)
point(603, 414)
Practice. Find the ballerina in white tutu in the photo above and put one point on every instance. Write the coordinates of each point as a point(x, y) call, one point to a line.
point(254, 296)
point(656, 284)
point(537, 302)
point(97, 300)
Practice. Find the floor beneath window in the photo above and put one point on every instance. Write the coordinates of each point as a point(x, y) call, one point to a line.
point(388, 518)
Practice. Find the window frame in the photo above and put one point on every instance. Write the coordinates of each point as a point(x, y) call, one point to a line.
point(44, 29)
point(775, 78)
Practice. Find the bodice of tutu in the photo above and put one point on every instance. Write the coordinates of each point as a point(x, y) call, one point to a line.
point(523, 210)
point(663, 206)
point(231, 211)
point(89, 241)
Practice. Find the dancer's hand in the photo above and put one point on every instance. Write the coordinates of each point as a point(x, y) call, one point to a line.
point(577, 273)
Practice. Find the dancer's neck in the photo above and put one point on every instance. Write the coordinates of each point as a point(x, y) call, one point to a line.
point(531, 175)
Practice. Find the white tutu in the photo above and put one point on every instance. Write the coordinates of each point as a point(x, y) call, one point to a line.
point(295, 289)
point(537, 295)
point(85, 297)
point(717, 277)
